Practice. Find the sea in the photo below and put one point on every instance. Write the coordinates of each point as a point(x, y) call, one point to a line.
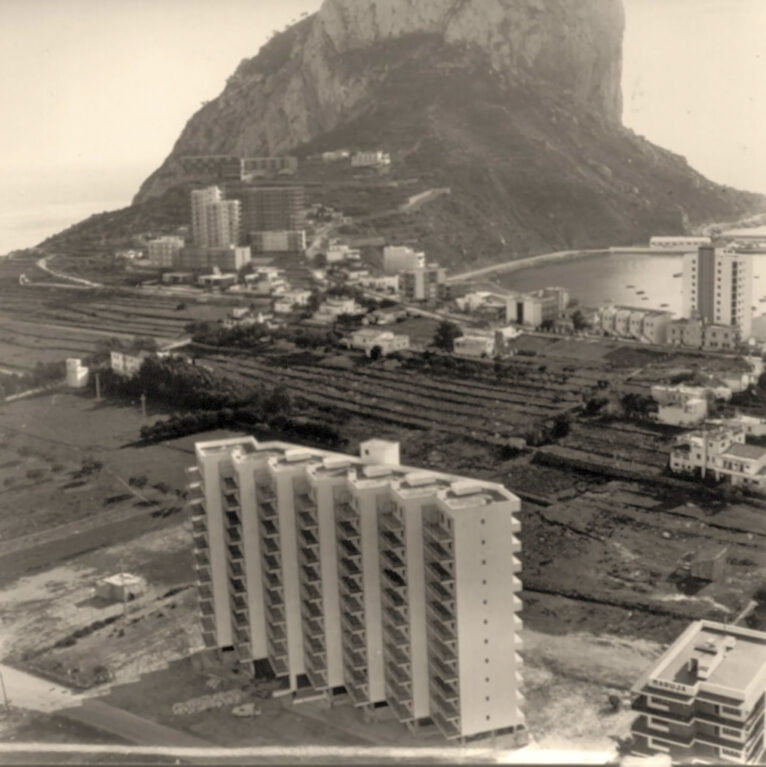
point(645, 280)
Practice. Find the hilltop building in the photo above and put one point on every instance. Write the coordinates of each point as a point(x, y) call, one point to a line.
point(718, 288)
point(680, 405)
point(372, 159)
point(703, 700)
point(359, 575)
point(212, 167)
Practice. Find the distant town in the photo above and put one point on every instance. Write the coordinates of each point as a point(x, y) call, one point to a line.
point(354, 472)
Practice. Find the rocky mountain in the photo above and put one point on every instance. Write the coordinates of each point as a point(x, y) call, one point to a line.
point(513, 104)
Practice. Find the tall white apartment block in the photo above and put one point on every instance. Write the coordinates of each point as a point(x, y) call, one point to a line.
point(395, 585)
point(718, 287)
point(216, 223)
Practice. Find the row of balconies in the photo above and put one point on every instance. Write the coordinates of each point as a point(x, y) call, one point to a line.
point(265, 492)
point(310, 574)
point(447, 689)
point(318, 678)
point(447, 724)
point(314, 628)
point(199, 524)
point(442, 572)
point(235, 568)
point(267, 509)
point(204, 576)
point(349, 566)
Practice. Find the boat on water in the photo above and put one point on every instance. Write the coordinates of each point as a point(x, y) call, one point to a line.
point(640, 292)
point(664, 306)
point(644, 298)
point(677, 274)
point(630, 286)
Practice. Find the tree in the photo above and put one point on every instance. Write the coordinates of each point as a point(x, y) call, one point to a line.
point(578, 320)
point(320, 260)
point(376, 353)
point(445, 335)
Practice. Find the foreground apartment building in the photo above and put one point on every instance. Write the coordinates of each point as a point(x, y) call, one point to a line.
point(359, 575)
point(703, 701)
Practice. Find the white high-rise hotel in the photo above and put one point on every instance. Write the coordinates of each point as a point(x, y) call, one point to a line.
point(215, 222)
point(396, 585)
point(718, 287)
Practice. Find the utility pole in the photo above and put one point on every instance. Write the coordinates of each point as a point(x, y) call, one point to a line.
point(98, 387)
point(143, 404)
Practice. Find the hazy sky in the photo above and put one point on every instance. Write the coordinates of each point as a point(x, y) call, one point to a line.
point(95, 92)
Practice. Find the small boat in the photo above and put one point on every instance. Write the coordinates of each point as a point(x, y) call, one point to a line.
point(677, 274)
point(630, 286)
point(762, 299)
point(664, 306)
point(644, 298)
point(640, 292)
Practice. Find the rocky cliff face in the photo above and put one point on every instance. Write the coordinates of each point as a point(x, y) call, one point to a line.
point(315, 76)
point(513, 104)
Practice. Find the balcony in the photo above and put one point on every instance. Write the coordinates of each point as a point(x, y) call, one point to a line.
point(208, 624)
point(269, 528)
point(310, 574)
point(402, 710)
point(640, 727)
point(206, 607)
point(310, 610)
point(308, 556)
point(199, 525)
point(516, 567)
point(448, 725)
point(313, 628)
point(232, 518)
point(265, 492)
point(349, 567)
point(311, 593)
point(235, 568)
point(275, 614)
point(230, 484)
point(444, 651)
point(308, 521)
point(390, 540)
point(305, 503)
point(348, 530)
point(442, 592)
point(270, 545)
point(267, 510)
point(208, 639)
point(399, 693)
point(395, 654)
point(393, 561)
point(233, 535)
point(391, 524)
point(447, 690)
point(348, 550)
point(354, 659)
point(197, 506)
point(231, 502)
point(444, 669)
point(278, 665)
point(318, 678)
point(203, 575)
point(441, 572)
point(397, 635)
point(314, 661)
point(204, 592)
point(437, 553)
point(272, 563)
point(276, 631)
point(274, 597)
point(235, 553)
point(401, 674)
point(351, 585)
point(435, 532)
point(242, 635)
point(201, 559)
point(441, 613)
point(200, 541)
point(314, 644)
point(240, 619)
point(277, 648)
point(238, 602)
point(352, 623)
point(448, 708)
point(308, 539)
point(345, 512)
point(353, 605)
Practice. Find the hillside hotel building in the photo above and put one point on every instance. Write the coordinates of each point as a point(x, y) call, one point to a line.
point(356, 575)
point(718, 287)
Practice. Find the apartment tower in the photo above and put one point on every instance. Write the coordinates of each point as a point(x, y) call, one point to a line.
point(718, 287)
point(216, 222)
point(272, 208)
point(359, 575)
point(703, 700)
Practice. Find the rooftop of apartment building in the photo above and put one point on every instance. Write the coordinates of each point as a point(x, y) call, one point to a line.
point(724, 659)
point(409, 481)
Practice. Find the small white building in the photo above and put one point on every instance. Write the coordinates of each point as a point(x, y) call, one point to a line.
point(681, 405)
point(77, 374)
point(335, 155)
point(217, 281)
point(290, 300)
point(127, 364)
point(121, 587)
point(333, 308)
point(474, 345)
point(338, 252)
point(367, 339)
point(400, 258)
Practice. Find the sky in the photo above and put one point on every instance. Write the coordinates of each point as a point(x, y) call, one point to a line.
point(95, 92)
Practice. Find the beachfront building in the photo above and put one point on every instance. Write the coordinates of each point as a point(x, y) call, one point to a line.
point(396, 586)
point(536, 308)
point(680, 244)
point(718, 288)
point(648, 325)
point(703, 700)
point(696, 334)
point(681, 405)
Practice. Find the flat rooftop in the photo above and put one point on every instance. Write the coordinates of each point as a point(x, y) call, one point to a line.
point(740, 664)
point(740, 450)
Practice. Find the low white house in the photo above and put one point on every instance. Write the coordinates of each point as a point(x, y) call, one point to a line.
point(120, 587)
point(370, 159)
point(367, 339)
point(333, 308)
point(474, 345)
point(76, 373)
point(127, 364)
point(681, 405)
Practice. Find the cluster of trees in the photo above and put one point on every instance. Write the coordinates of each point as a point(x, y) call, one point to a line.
point(445, 335)
point(257, 337)
point(44, 373)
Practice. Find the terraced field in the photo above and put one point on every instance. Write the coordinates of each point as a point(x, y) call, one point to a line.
point(481, 411)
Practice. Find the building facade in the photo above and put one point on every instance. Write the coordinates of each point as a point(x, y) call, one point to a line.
point(682, 244)
point(680, 405)
point(272, 208)
point(230, 259)
point(216, 222)
point(535, 308)
point(278, 242)
point(359, 575)
point(703, 701)
point(400, 258)
point(372, 159)
point(221, 167)
point(649, 325)
point(424, 284)
point(367, 339)
point(718, 288)
point(162, 252)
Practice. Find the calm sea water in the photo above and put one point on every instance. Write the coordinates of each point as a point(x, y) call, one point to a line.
point(643, 280)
